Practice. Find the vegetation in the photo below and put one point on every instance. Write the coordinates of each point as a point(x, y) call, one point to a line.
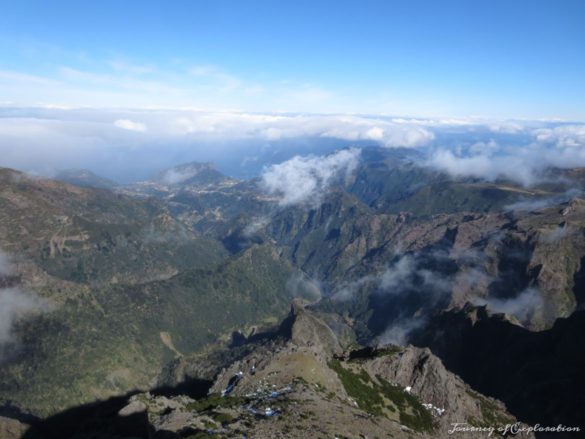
point(215, 401)
point(378, 397)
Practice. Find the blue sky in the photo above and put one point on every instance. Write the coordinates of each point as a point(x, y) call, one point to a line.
point(499, 58)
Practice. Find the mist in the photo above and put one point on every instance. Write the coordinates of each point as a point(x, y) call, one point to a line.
point(15, 303)
point(523, 306)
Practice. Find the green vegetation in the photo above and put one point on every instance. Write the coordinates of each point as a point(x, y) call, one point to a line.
point(213, 402)
point(491, 413)
point(223, 418)
point(130, 287)
point(388, 351)
point(373, 396)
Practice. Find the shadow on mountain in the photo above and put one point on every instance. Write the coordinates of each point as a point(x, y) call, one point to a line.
point(117, 418)
point(111, 418)
point(538, 375)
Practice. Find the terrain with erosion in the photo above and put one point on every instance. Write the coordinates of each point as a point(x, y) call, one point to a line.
point(418, 300)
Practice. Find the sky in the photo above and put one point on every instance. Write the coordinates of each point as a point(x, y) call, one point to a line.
point(484, 88)
point(497, 58)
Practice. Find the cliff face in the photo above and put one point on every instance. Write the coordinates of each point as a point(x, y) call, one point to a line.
point(539, 375)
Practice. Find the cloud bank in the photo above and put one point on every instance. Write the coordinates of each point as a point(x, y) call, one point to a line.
point(134, 144)
point(521, 160)
point(130, 145)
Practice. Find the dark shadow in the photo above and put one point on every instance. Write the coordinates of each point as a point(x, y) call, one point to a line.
point(102, 419)
point(538, 375)
point(513, 274)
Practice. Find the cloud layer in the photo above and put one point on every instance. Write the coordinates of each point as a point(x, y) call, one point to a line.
point(523, 160)
point(133, 144)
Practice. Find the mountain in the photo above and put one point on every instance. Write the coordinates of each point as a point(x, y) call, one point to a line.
point(539, 375)
point(291, 382)
point(124, 287)
point(84, 178)
point(192, 176)
point(174, 283)
point(393, 181)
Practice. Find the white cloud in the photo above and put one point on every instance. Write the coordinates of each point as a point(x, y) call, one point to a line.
point(485, 166)
point(45, 138)
point(14, 303)
point(381, 131)
point(560, 146)
point(300, 285)
point(130, 125)
point(523, 306)
point(304, 180)
point(564, 136)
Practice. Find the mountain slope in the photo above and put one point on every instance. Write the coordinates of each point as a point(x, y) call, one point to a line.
point(126, 288)
point(293, 383)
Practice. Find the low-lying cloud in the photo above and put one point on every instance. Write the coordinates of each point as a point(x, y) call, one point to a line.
point(523, 161)
point(302, 286)
point(14, 304)
point(408, 274)
point(522, 306)
point(545, 202)
point(305, 180)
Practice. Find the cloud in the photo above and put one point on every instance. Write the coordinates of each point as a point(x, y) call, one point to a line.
point(523, 306)
point(130, 125)
point(410, 273)
point(381, 131)
point(557, 234)
point(301, 285)
point(543, 203)
point(485, 166)
point(399, 331)
point(347, 290)
point(46, 139)
point(564, 136)
point(14, 304)
point(561, 146)
point(109, 142)
point(304, 180)
point(255, 225)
